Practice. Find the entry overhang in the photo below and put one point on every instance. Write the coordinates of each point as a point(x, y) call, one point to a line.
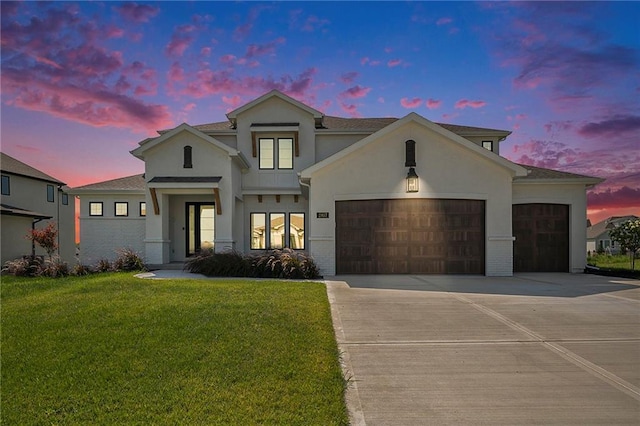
point(184, 185)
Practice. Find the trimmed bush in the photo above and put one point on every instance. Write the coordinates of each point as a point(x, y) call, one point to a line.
point(285, 263)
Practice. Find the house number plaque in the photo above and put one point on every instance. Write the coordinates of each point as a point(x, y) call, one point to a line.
point(322, 215)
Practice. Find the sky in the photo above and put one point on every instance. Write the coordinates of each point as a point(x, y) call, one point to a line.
point(83, 82)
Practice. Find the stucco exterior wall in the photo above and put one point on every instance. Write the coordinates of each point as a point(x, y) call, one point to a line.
point(14, 243)
point(102, 236)
point(31, 194)
point(446, 170)
point(572, 195)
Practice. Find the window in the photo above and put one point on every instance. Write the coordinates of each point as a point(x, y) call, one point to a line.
point(65, 199)
point(258, 237)
point(285, 230)
point(266, 154)
point(122, 209)
point(187, 155)
point(296, 231)
point(95, 208)
point(50, 193)
point(143, 208)
point(487, 145)
point(6, 185)
point(267, 148)
point(410, 153)
point(285, 153)
point(276, 230)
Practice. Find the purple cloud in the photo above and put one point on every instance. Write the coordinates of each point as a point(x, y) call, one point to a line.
point(355, 92)
point(181, 39)
point(464, 103)
point(138, 13)
point(612, 126)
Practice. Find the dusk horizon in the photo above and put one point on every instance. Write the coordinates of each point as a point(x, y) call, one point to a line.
point(83, 83)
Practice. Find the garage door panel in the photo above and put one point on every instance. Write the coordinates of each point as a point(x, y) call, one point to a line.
point(424, 236)
point(542, 237)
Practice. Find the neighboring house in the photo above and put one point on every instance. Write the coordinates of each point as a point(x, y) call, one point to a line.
point(361, 195)
point(31, 199)
point(598, 235)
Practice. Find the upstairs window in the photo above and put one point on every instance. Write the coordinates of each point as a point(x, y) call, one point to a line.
point(65, 199)
point(187, 157)
point(487, 145)
point(143, 208)
point(6, 185)
point(275, 153)
point(50, 193)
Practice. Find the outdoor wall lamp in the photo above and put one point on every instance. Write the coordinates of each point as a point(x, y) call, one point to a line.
point(410, 161)
point(412, 180)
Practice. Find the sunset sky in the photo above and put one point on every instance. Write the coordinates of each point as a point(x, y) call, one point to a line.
point(83, 83)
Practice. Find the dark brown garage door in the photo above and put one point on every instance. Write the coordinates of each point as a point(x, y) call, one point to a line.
point(413, 236)
point(542, 238)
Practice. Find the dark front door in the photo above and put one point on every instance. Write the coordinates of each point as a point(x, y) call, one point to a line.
point(412, 236)
point(200, 227)
point(542, 238)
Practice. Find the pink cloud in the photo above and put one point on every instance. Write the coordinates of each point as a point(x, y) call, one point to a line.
point(205, 51)
point(394, 63)
point(355, 92)
point(350, 109)
point(410, 103)
point(444, 21)
point(263, 49)
point(433, 103)
point(313, 23)
point(137, 13)
point(464, 103)
point(232, 101)
point(180, 40)
point(349, 77)
point(228, 58)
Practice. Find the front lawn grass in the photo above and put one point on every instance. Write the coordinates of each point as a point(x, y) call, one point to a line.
point(115, 349)
point(614, 265)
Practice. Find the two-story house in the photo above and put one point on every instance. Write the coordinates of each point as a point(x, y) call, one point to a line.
point(361, 195)
point(31, 199)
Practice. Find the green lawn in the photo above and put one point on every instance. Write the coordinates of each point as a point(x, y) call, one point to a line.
point(112, 348)
point(612, 261)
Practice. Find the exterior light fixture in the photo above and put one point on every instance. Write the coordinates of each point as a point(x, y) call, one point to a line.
point(412, 180)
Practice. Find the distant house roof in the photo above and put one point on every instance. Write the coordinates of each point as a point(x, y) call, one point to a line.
point(127, 184)
point(9, 164)
point(600, 228)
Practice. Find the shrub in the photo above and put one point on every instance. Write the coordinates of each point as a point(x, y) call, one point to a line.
point(104, 265)
point(128, 260)
point(79, 269)
point(27, 266)
point(285, 263)
point(45, 238)
point(55, 268)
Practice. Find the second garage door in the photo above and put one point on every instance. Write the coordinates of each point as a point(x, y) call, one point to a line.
point(412, 236)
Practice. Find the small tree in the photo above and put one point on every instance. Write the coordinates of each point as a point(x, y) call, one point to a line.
point(45, 238)
point(627, 234)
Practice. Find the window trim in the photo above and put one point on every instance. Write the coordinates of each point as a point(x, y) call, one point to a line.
point(101, 208)
point(490, 145)
point(7, 179)
point(142, 203)
point(115, 208)
point(268, 244)
point(51, 194)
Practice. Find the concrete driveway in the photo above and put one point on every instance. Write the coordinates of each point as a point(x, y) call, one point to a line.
point(530, 349)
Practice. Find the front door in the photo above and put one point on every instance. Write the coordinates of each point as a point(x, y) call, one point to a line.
point(200, 227)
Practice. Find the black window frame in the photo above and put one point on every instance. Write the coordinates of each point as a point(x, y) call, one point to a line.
point(51, 193)
point(293, 154)
point(6, 185)
point(266, 236)
point(273, 153)
point(304, 227)
point(115, 208)
point(101, 208)
point(268, 244)
point(142, 203)
point(490, 145)
point(187, 157)
point(65, 199)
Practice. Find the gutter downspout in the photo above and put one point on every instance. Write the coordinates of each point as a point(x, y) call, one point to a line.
point(33, 243)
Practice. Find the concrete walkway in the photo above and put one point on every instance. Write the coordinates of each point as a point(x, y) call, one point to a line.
point(451, 350)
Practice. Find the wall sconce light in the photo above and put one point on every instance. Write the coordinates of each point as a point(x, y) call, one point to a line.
point(412, 181)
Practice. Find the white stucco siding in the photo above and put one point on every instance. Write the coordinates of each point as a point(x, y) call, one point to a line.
point(275, 111)
point(102, 236)
point(446, 170)
point(14, 241)
point(573, 195)
point(329, 144)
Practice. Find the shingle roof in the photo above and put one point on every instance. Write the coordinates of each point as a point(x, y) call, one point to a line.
point(129, 183)
point(546, 174)
point(17, 211)
point(9, 164)
point(599, 228)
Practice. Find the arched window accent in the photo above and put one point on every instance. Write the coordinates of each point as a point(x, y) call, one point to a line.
point(188, 164)
point(410, 153)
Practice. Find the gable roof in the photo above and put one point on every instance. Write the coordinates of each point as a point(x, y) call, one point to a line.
point(603, 226)
point(9, 164)
point(541, 175)
point(133, 183)
point(184, 127)
point(516, 169)
point(273, 94)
